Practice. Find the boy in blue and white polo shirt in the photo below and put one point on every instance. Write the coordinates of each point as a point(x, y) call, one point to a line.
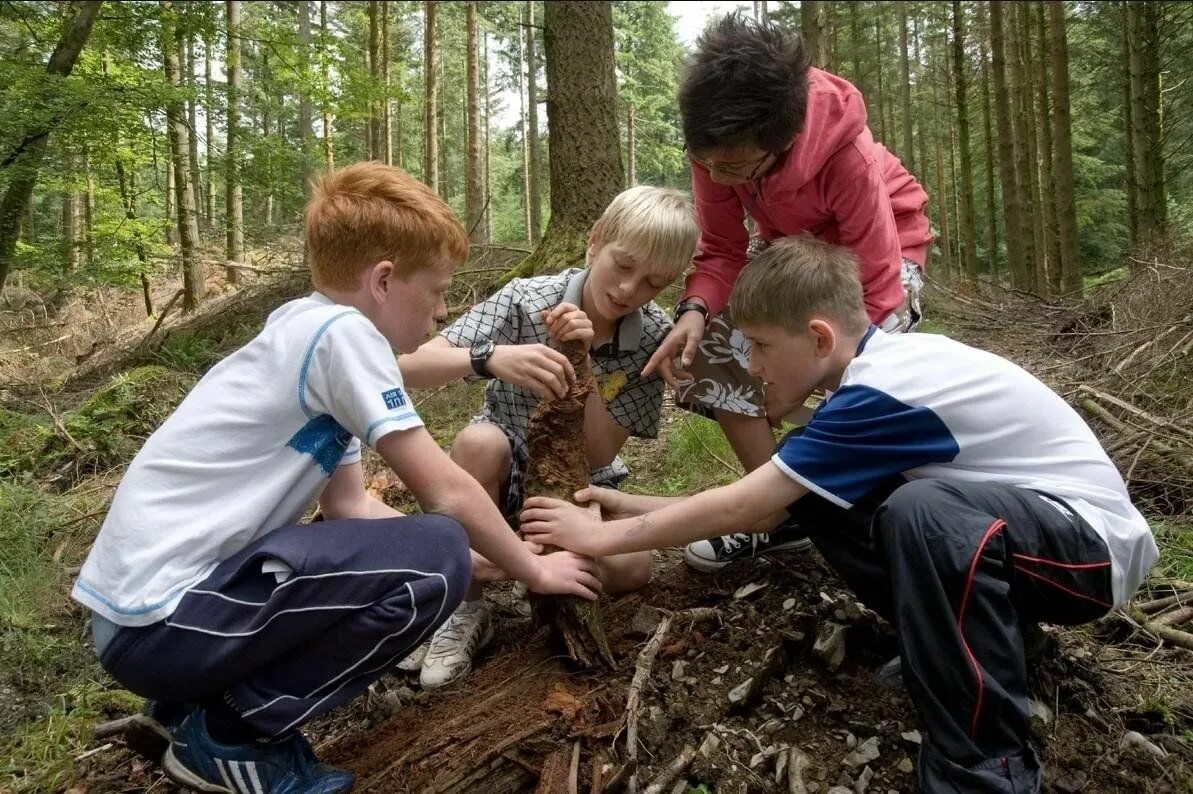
point(209, 597)
point(959, 496)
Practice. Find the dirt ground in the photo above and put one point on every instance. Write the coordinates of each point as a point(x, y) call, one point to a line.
point(495, 731)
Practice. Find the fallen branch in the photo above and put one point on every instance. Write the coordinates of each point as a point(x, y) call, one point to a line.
point(1174, 618)
point(161, 318)
point(1180, 457)
point(1150, 607)
point(676, 768)
point(1139, 412)
point(1182, 639)
point(642, 670)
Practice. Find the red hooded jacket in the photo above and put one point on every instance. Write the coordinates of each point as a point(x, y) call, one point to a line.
point(835, 182)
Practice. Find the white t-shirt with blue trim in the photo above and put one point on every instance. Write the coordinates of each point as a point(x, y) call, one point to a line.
point(926, 406)
point(247, 451)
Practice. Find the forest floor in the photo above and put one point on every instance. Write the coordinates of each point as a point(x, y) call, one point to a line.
point(743, 677)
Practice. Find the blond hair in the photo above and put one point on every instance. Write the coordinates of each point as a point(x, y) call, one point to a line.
point(370, 212)
point(795, 279)
point(656, 224)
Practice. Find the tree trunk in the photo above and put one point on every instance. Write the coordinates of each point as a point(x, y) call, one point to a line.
point(532, 113)
point(1030, 157)
point(1132, 178)
point(431, 129)
point(968, 224)
point(1044, 142)
point(209, 142)
point(882, 132)
point(908, 153)
point(525, 121)
point(192, 112)
point(474, 195)
point(266, 132)
point(88, 212)
point(855, 48)
point(233, 195)
point(486, 127)
point(631, 137)
point(811, 25)
point(558, 467)
point(171, 226)
point(760, 11)
point(129, 200)
point(306, 130)
point(328, 150)
point(387, 143)
point(1012, 196)
point(374, 147)
point(942, 194)
point(70, 222)
point(991, 206)
point(24, 162)
point(1062, 152)
point(586, 168)
point(173, 53)
point(1151, 200)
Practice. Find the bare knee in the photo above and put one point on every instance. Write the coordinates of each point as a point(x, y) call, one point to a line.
point(622, 573)
point(483, 451)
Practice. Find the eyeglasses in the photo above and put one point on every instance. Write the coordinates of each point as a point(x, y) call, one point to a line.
point(746, 169)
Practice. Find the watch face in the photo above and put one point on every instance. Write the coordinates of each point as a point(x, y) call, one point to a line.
point(482, 349)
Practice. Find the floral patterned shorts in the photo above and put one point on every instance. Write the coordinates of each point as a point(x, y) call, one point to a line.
point(720, 380)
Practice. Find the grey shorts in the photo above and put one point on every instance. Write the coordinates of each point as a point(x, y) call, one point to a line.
point(720, 379)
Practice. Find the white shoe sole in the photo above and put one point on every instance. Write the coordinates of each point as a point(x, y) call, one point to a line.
point(712, 566)
point(486, 638)
point(185, 777)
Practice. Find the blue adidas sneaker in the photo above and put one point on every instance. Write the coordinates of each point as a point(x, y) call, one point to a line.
point(285, 766)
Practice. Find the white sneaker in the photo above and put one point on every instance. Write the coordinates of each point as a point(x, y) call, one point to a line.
point(450, 657)
point(413, 662)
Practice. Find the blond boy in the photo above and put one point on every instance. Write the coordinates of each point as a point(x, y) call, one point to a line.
point(643, 241)
point(204, 587)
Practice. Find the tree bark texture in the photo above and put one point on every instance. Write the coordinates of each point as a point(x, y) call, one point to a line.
point(532, 120)
point(968, 224)
point(431, 119)
point(233, 193)
point(24, 161)
point(173, 39)
point(558, 467)
point(1012, 192)
point(908, 153)
point(474, 196)
point(1062, 152)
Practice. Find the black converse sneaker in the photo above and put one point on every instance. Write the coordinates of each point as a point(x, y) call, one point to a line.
point(714, 554)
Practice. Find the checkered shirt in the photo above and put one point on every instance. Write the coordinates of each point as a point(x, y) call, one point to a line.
point(514, 316)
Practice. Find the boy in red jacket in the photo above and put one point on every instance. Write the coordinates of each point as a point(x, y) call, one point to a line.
point(787, 145)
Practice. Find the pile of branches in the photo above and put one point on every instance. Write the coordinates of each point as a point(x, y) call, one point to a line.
point(1123, 357)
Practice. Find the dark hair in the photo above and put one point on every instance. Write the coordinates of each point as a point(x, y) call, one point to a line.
point(745, 85)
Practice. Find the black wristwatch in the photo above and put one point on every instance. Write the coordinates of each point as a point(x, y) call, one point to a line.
point(480, 353)
point(691, 306)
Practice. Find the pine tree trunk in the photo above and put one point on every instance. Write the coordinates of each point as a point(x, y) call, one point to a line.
point(908, 153)
point(532, 114)
point(431, 128)
point(88, 212)
point(991, 206)
point(306, 130)
point(474, 196)
point(1132, 178)
point(882, 132)
point(209, 144)
point(266, 132)
point(525, 122)
point(1044, 142)
point(387, 143)
point(171, 227)
point(631, 145)
point(558, 467)
point(1031, 159)
point(233, 194)
point(192, 112)
point(25, 161)
point(968, 225)
point(129, 201)
point(1148, 134)
point(855, 48)
point(1062, 152)
point(373, 147)
point(173, 41)
point(586, 167)
point(329, 158)
point(486, 126)
point(1012, 195)
point(70, 223)
point(810, 26)
point(942, 194)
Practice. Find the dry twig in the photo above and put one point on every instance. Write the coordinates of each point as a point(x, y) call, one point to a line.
point(676, 768)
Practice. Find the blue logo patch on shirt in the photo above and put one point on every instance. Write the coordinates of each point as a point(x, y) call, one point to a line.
point(324, 439)
point(394, 398)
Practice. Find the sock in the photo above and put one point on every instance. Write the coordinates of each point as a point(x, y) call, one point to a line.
point(226, 726)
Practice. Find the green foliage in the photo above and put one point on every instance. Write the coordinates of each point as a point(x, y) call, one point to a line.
point(105, 431)
point(1175, 539)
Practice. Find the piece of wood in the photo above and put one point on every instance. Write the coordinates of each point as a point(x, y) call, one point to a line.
point(1181, 639)
point(1151, 607)
point(1174, 618)
point(676, 768)
point(557, 466)
point(797, 762)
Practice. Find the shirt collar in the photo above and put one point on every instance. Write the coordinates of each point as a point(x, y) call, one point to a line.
point(629, 328)
point(869, 333)
point(319, 297)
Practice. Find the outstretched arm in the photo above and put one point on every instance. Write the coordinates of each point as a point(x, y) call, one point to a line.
point(762, 493)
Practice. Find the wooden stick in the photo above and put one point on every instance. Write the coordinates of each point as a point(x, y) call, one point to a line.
point(676, 768)
point(574, 770)
point(1180, 457)
point(1139, 412)
point(1149, 607)
point(1182, 639)
point(1174, 618)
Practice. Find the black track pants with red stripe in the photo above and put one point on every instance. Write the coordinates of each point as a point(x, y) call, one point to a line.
point(960, 569)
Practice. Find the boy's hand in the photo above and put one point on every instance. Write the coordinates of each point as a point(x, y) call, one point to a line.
point(485, 571)
point(565, 573)
point(558, 523)
point(543, 370)
point(567, 322)
point(610, 500)
point(680, 343)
